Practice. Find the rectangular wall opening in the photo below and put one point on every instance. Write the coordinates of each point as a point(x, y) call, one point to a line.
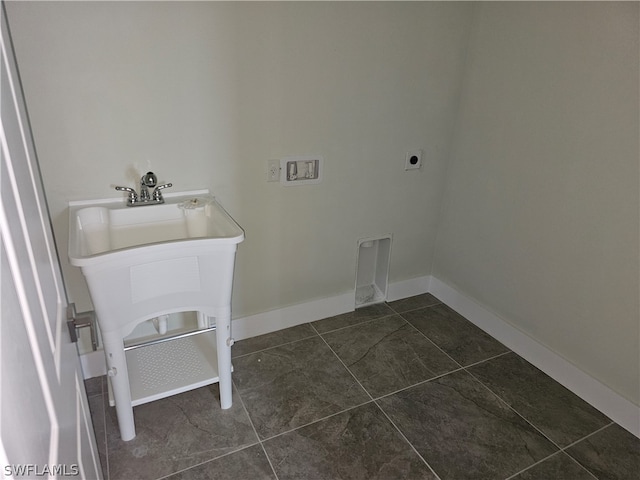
point(372, 272)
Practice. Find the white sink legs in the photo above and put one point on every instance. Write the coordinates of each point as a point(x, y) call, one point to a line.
point(122, 381)
point(224, 341)
point(119, 376)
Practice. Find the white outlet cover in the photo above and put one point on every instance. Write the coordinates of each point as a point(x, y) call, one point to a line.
point(413, 160)
point(273, 170)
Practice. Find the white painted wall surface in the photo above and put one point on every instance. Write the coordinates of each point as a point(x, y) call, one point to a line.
point(541, 217)
point(204, 93)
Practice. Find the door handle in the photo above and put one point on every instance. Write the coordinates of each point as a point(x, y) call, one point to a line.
point(77, 320)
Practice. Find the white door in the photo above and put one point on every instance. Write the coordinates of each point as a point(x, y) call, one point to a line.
point(45, 426)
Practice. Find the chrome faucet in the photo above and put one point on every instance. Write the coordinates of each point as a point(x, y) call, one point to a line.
point(149, 180)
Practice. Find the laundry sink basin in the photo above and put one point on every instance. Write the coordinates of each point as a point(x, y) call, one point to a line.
point(105, 230)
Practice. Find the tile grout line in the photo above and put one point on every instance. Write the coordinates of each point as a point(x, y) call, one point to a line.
point(555, 444)
point(461, 368)
point(591, 434)
point(371, 398)
point(260, 441)
point(417, 308)
point(363, 322)
point(316, 421)
point(104, 392)
point(422, 382)
point(536, 428)
point(343, 364)
point(563, 450)
point(554, 454)
point(276, 346)
point(435, 377)
point(406, 439)
point(489, 359)
point(466, 367)
point(510, 407)
point(377, 341)
point(190, 467)
point(379, 407)
point(431, 341)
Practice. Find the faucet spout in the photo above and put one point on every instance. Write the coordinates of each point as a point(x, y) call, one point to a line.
point(149, 180)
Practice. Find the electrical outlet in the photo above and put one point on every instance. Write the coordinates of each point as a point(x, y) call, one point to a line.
point(413, 160)
point(273, 170)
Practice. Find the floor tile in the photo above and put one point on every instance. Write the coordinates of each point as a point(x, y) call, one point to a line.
point(360, 443)
point(97, 409)
point(388, 354)
point(250, 463)
point(294, 384)
point(359, 315)
point(177, 432)
point(558, 413)
point(454, 334)
point(274, 339)
point(612, 453)
point(464, 431)
point(559, 466)
point(413, 303)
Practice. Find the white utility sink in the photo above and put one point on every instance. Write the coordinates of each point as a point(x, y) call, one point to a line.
point(144, 262)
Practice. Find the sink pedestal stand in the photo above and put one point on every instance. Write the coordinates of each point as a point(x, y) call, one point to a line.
point(119, 375)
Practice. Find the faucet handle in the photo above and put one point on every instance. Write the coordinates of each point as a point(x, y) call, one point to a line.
point(157, 194)
point(133, 196)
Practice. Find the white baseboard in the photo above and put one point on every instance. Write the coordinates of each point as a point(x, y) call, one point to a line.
point(93, 364)
point(616, 407)
point(408, 288)
point(274, 320)
point(267, 322)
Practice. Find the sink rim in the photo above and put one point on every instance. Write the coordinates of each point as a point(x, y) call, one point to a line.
point(164, 247)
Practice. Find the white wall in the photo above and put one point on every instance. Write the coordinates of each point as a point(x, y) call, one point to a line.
point(204, 93)
point(541, 216)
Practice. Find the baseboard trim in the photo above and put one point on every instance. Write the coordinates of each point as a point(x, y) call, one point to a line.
point(616, 407)
point(408, 288)
point(267, 322)
point(93, 364)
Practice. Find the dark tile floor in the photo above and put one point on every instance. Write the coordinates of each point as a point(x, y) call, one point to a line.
point(403, 390)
